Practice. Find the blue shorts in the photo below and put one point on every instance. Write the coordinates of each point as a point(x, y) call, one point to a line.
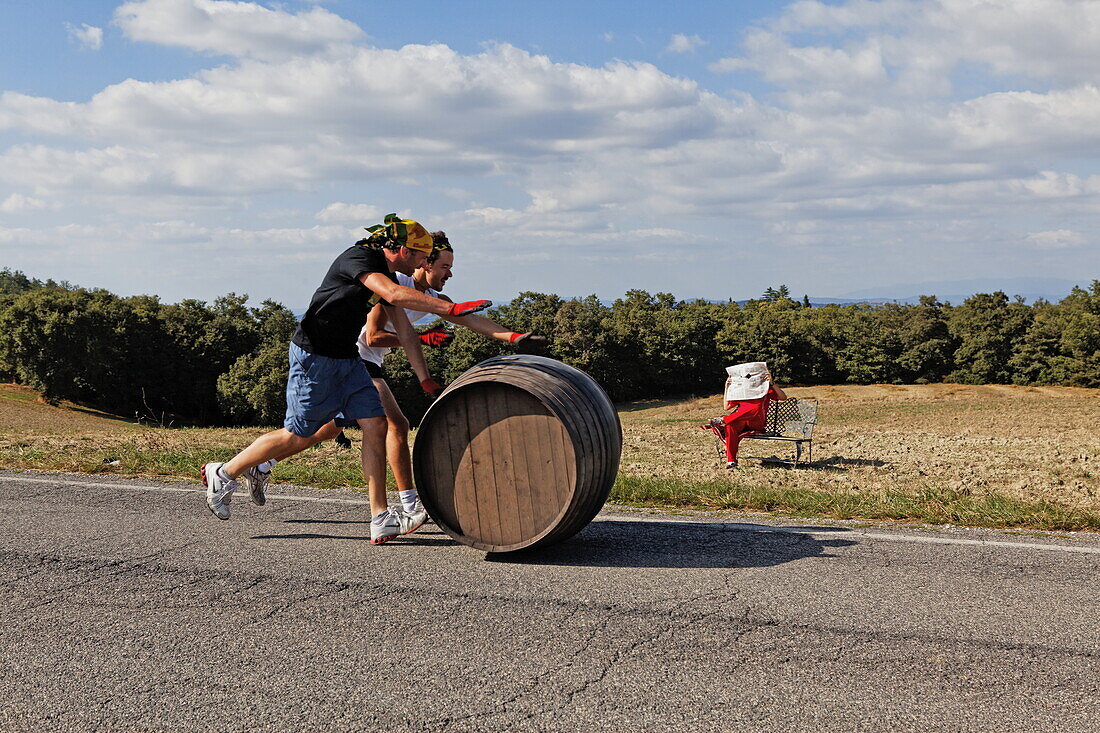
point(321, 388)
point(375, 372)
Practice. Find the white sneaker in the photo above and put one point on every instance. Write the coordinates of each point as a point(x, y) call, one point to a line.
point(415, 517)
point(219, 493)
point(417, 508)
point(255, 479)
point(397, 522)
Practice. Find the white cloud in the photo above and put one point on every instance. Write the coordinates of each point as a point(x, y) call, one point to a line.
point(818, 67)
point(260, 125)
point(665, 233)
point(338, 211)
point(88, 36)
point(18, 203)
point(919, 44)
point(1057, 239)
point(179, 259)
point(234, 28)
point(622, 139)
point(864, 146)
point(680, 43)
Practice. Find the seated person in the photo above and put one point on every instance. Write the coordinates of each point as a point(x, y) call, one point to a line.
point(745, 417)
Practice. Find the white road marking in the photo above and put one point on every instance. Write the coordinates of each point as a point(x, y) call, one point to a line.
point(918, 539)
point(175, 489)
point(737, 526)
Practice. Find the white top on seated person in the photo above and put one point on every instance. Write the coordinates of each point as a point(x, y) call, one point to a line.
point(750, 382)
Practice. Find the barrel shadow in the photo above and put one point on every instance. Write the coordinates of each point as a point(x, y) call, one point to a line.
point(425, 536)
point(641, 544)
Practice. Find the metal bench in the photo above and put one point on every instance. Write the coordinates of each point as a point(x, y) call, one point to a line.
point(790, 421)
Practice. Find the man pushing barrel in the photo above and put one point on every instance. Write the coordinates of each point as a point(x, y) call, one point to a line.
point(381, 334)
point(326, 378)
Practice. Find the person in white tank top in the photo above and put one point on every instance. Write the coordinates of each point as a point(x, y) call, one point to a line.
point(376, 340)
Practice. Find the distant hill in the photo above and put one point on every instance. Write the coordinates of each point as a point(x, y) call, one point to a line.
point(956, 291)
point(947, 291)
point(817, 302)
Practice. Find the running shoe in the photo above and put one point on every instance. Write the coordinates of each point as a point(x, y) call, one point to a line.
point(415, 516)
point(219, 492)
point(397, 522)
point(417, 508)
point(255, 479)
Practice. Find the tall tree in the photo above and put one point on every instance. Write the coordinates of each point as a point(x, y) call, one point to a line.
point(989, 328)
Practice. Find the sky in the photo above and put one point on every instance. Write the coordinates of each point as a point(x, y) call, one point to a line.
point(191, 148)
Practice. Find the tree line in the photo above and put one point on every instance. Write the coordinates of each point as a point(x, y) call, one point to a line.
point(219, 363)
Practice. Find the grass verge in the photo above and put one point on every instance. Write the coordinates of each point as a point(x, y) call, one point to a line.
point(977, 456)
point(931, 506)
point(178, 454)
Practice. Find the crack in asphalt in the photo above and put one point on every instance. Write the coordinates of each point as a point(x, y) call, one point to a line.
point(640, 615)
point(531, 684)
point(330, 589)
point(670, 622)
point(124, 565)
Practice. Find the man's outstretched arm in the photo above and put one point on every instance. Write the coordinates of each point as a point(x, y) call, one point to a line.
point(377, 334)
point(413, 299)
point(492, 329)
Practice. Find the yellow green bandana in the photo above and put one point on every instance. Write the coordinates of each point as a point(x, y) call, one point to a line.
point(405, 232)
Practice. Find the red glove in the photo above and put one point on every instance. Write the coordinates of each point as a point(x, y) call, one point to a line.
point(529, 343)
point(470, 306)
point(432, 387)
point(437, 336)
point(530, 339)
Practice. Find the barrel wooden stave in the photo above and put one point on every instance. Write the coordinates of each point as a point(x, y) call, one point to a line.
point(594, 474)
point(480, 519)
point(580, 459)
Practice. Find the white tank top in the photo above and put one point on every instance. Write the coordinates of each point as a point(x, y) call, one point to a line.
point(377, 353)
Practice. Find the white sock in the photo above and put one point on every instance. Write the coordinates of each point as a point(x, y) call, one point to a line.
point(380, 519)
point(222, 474)
point(408, 498)
point(266, 466)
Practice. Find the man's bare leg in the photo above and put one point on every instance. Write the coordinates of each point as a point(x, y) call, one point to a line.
point(385, 523)
point(397, 437)
point(328, 432)
point(277, 443)
point(373, 462)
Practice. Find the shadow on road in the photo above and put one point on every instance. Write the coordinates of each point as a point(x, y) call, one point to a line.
point(633, 544)
point(428, 535)
point(640, 544)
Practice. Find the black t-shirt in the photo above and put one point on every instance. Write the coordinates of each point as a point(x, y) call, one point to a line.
point(340, 306)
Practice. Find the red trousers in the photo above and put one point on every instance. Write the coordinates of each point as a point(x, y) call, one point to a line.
point(748, 416)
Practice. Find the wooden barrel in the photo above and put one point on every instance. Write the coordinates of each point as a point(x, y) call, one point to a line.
point(518, 452)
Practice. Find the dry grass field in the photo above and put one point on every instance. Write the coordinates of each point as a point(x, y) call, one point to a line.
point(1027, 443)
point(952, 447)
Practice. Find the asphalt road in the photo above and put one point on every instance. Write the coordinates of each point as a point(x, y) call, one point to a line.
point(125, 605)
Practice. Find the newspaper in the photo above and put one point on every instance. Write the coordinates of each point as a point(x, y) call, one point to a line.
point(747, 381)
